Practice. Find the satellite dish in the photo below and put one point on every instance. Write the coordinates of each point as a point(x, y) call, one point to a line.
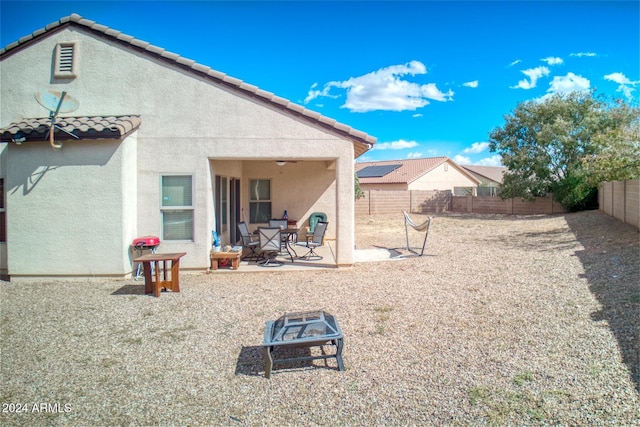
point(56, 102)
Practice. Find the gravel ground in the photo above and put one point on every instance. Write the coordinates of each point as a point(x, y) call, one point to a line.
point(506, 320)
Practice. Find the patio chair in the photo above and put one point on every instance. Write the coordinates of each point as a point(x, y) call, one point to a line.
point(270, 246)
point(316, 240)
point(248, 242)
point(421, 227)
point(314, 218)
point(281, 224)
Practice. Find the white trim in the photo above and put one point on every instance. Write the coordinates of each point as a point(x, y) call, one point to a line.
point(191, 207)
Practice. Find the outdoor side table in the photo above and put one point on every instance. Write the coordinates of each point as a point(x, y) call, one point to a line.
point(303, 329)
point(154, 282)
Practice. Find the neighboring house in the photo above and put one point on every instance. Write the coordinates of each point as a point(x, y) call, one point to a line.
point(433, 173)
point(489, 176)
point(158, 145)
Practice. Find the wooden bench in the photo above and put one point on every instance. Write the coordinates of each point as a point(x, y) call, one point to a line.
point(234, 257)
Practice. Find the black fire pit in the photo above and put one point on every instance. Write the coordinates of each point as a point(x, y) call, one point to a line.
point(304, 329)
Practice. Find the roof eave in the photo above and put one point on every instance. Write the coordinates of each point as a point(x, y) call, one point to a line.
point(361, 140)
point(71, 129)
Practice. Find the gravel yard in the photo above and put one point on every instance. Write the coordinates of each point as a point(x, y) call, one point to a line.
point(505, 321)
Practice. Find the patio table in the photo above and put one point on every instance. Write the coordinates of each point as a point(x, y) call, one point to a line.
point(169, 280)
point(291, 236)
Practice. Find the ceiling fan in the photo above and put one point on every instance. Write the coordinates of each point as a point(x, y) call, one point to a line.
point(56, 102)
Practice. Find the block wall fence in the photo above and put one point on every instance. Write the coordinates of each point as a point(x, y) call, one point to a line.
point(495, 205)
point(382, 201)
point(621, 200)
point(421, 201)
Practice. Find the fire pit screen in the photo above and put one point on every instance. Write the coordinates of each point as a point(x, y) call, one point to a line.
point(304, 329)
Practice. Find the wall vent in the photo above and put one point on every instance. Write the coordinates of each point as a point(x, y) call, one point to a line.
point(66, 60)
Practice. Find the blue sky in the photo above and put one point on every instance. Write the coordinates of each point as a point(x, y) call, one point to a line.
point(426, 78)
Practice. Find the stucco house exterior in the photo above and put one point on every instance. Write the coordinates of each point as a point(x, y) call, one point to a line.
point(429, 173)
point(157, 145)
point(490, 178)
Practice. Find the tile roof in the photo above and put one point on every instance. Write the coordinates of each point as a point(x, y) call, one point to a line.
point(409, 171)
point(362, 141)
point(492, 173)
point(112, 127)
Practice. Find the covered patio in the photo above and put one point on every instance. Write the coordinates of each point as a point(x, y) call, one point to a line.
point(328, 261)
point(254, 191)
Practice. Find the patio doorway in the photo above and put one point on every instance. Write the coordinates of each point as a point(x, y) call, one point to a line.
point(234, 209)
point(227, 205)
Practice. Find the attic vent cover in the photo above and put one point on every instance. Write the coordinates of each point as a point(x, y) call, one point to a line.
point(376, 171)
point(66, 61)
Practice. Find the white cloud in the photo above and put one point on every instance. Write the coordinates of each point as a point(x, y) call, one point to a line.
point(566, 84)
point(385, 89)
point(619, 78)
point(316, 93)
point(517, 61)
point(417, 115)
point(581, 54)
point(534, 74)
point(414, 155)
point(569, 83)
point(461, 160)
point(551, 60)
point(476, 147)
point(400, 144)
point(473, 84)
point(490, 161)
point(626, 86)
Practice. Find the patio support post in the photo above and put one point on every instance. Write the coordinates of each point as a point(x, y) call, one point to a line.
point(345, 211)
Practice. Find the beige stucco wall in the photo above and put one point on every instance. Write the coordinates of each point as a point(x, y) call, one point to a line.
point(301, 187)
point(186, 123)
point(71, 210)
point(292, 189)
point(444, 177)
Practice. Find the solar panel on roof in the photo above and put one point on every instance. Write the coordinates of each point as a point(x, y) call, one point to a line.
point(376, 171)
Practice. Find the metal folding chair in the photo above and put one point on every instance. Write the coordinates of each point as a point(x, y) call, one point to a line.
point(270, 246)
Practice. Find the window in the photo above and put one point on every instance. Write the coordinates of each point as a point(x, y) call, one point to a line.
point(259, 201)
point(66, 64)
point(3, 218)
point(177, 207)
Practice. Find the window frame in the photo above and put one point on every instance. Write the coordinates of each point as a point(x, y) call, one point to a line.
point(164, 209)
point(258, 201)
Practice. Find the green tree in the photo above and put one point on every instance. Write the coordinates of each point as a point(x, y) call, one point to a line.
point(545, 146)
point(618, 150)
point(359, 194)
